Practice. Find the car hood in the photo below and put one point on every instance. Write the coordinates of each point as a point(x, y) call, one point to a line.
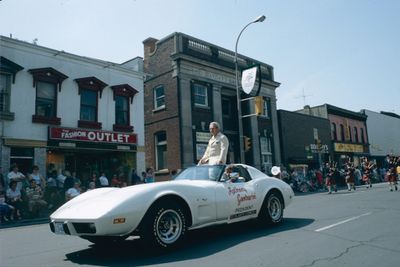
point(107, 201)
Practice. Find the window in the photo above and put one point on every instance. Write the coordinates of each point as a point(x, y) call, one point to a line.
point(159, 97)
point(356, 135)
point(266, 153)
point(342, 133)
point(350, 134)
point(46, 82)
point(200, 95)
point(46, 99)
point(123, 96)
point(362, 135)
point(88, 105)
point(266, 107)
point(5, 86)
point(90, 88)
point(161, 150)
point(121, 110)
point(8, 71)
point(333, 131)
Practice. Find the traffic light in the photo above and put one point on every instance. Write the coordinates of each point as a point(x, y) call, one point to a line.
point(247, 143)
point(259, 105)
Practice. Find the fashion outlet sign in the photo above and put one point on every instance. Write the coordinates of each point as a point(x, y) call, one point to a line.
point(73, 134)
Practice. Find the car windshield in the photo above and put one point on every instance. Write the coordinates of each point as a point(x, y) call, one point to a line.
point(203, 172)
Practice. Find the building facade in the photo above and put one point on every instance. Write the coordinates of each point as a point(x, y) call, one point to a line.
point(383, 133)
point(191, 83)
point(305, 139)
point(71, 112)
point(348, 129)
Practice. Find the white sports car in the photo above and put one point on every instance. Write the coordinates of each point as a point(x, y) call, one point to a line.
point(160, 213)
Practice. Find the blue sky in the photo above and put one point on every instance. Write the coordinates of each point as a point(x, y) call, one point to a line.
point(342, 52)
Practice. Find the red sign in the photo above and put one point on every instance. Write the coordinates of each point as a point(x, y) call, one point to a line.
point(95, 136)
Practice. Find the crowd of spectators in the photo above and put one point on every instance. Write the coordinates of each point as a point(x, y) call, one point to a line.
point(34, 195)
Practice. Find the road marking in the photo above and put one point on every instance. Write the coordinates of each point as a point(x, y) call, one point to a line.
point(342, 222)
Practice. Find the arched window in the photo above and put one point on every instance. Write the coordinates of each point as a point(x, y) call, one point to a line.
point(342, 133)
point(362, 135)
point(333, 131)
point(356, 135)
point(350, 134)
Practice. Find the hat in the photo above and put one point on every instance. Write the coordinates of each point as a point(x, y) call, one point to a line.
point(275, 170)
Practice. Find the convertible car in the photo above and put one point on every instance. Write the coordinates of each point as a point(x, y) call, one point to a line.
point(161, 213)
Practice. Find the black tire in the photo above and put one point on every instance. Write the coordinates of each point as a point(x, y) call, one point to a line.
point(165, 226)
point(272, 209)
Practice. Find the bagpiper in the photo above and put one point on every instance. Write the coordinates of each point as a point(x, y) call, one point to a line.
point(392, 173)
point(330, 177)
point(368, 167)
point(350, 176)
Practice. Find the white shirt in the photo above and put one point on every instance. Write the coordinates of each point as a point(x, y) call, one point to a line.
point(217, 150)
point(103, 181)
point(16, 176)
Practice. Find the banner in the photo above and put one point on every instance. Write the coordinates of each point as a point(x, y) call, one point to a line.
point(248, 79)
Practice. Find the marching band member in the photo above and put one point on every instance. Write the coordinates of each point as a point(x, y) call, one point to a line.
point(350, 176)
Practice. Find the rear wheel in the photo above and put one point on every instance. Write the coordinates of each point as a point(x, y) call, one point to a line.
point(165, 225)
point(272, 209)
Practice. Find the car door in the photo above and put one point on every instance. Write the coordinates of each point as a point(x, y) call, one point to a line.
point(237, 201)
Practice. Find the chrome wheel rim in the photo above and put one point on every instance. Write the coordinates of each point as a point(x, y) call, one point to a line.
point(169, 226)
point(274, 208)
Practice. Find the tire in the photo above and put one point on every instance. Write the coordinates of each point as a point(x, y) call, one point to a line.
point(272, 209)
point(165, 226)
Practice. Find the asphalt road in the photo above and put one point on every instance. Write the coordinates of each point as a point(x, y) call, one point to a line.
point(359, 228)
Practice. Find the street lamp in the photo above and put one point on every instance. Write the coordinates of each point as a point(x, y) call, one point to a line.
point(239, 107)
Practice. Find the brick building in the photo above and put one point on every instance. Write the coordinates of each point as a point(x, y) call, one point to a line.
point(190, 83)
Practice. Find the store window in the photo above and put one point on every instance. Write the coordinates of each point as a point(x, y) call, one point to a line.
point(161, 150)
point(23, 157)
point(333, 131)
point(90, 90)
point(121, 110)
point(266, 153)
point(200, 94)
point(266, 107)
point(159, 97)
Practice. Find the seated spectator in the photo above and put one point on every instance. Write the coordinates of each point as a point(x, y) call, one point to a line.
point(103, 180)
point(14, 198)
point(91, 186)
point(35, 175)
point(73, 191)
point(115, 182)
point(6, 210)
point(15, 175)
point(35, 198)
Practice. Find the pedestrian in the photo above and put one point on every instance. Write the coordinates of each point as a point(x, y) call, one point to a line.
point(149, 176)
point(135, 179)
point(217, 148)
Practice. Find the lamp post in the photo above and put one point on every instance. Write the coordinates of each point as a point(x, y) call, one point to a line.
point(239, 107)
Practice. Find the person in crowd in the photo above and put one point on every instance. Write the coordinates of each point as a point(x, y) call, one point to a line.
point(135, 178)
point(319, 178)
point(149, 176)
point(6, 210)
point(3, 181)
point(15, 175)
point(144, 175)
point(91, 186)
point(115, 182)
point(39, 179)
point(73, 191)
point(68, 182)
point(51, 194)
point(350, 176)
point(14, 198)
point(35, 198)
point(60, 181)
point(217, 148)
point(103, 180)
point(93, 179)
point(76, 179)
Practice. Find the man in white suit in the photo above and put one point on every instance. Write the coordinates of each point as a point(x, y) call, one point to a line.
point(217, 148)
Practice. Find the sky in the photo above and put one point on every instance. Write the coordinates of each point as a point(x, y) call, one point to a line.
point(341, 52)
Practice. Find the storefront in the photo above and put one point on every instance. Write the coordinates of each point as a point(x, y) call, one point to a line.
point(91, 151)
point(344, 152)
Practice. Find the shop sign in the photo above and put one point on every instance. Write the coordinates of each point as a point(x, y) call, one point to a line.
point(202, 137)
point(340, 147)
point(95, 136)
point(319, 148)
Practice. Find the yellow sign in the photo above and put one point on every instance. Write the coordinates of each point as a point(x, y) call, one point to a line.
point(340, 147)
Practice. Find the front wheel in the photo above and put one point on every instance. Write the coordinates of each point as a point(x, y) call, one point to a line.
point(272, 209)
point(165, 226)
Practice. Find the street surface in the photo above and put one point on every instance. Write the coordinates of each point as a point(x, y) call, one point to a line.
point(358, 228)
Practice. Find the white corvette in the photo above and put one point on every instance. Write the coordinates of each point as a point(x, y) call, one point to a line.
point(161, 213)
